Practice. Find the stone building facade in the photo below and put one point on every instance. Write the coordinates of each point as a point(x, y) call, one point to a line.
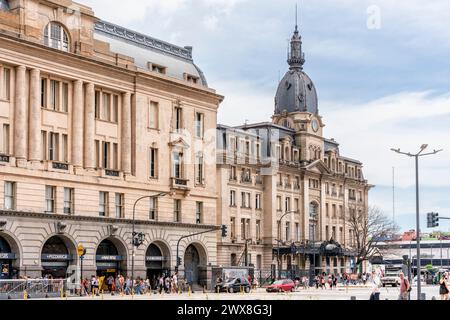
point(94, 116)
point(285, 191)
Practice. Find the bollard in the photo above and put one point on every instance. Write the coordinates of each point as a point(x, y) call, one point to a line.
point(423, 296)
point(433, 298)
point(352, 298)
point(25, 295)
point(189, 291)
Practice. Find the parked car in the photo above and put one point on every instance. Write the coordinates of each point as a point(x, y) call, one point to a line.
point(236, 285)
point(286, 285)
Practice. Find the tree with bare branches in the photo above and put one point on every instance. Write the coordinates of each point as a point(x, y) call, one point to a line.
point(367, 227)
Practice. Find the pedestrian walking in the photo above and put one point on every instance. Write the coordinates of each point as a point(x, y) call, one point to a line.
point(405, 287)
point(443, 286)
point(376, 285)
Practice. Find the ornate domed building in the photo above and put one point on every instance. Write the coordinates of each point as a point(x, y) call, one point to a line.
point(288, 189)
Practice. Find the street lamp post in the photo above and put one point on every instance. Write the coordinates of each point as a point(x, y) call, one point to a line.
point(416, 157)
point(137, 239)
point(279, 240)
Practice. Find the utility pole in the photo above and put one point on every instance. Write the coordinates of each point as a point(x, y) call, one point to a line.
point(393, 194)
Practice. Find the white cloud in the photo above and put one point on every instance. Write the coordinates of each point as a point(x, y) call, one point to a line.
point(367, 131)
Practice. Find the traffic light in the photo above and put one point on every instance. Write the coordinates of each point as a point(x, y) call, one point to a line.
point(433, 220)
point(224, 231)
point(178, 261)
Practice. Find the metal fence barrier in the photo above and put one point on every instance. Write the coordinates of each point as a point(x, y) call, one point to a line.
point(33, 288)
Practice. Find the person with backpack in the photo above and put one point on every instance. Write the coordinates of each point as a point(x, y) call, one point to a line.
point(405, 287)
point(376, 285)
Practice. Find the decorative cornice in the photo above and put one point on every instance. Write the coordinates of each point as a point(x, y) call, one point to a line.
point(107, 221)
point(143, 40)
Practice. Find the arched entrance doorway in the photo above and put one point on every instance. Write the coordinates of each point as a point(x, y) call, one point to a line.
point(56, 257)
point(195, 264)
point(7, 259)
point(110, 258)
point(157, 260)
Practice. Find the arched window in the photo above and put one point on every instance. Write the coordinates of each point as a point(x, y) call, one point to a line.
point(56, 36)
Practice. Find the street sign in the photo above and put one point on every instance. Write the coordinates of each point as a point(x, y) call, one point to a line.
point(81, 250)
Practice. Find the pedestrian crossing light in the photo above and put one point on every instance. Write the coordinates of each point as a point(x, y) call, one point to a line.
point(224, 231)
point(433, 220)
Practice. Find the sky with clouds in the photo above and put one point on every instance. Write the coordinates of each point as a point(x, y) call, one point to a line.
point(381, 68)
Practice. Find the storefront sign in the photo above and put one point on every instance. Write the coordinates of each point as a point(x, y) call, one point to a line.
point(106, 265)
point(155, 258)
point(109, 258)
point(7, 256)
point(53, 257)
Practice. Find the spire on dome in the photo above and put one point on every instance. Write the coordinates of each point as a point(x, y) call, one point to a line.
point(296, 57)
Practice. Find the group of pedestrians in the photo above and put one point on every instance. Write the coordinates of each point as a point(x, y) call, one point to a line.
point(326, 282)
point(163, 283)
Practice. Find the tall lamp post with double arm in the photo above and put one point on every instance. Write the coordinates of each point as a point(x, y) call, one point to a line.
point(138, 237)
point(416, 156)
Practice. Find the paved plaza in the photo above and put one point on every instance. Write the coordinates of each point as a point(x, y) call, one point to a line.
point(341, 293)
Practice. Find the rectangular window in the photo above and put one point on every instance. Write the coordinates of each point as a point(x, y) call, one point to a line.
point(297, 232)
point(43, 93)
point(258, 230)
point(177, 158)
point(64, 97)
point(287, 204)
point(50, 196)
point(65, 149)
point(178, 118)
point(153, 208)
point(327, 233)
point(119, 205)
point(199, 125)
point(54, 95)
point(97, 153)
point(199, 174)
point(333, 233)
point(258, 201)
point(247, 229)
point(105, 158)
point(233, 175)
point(199, 213)
point(97, 104)
point(296, 205)
point(153, 115)
point(233, 227)
point(44, 145)
point(115, 109)
point(115, 156)
point(53, 146)
point(68, 200)
point(6, 84)
point(103, 204)
point(10, 195)
point(279, 206)
point(153, 163)
point(5, 139)
point(243, 229)
point(232, 198)
point(105, 112)
point(177, 210)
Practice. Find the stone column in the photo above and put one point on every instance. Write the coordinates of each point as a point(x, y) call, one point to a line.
point(77, 124)
point(89, 127)
point(126, 133)
point(20, 115)
point(34, 134)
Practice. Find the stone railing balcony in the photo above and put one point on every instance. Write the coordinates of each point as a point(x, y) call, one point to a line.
point(180, 183)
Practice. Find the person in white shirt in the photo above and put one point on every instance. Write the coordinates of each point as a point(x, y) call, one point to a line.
point(376, 284)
